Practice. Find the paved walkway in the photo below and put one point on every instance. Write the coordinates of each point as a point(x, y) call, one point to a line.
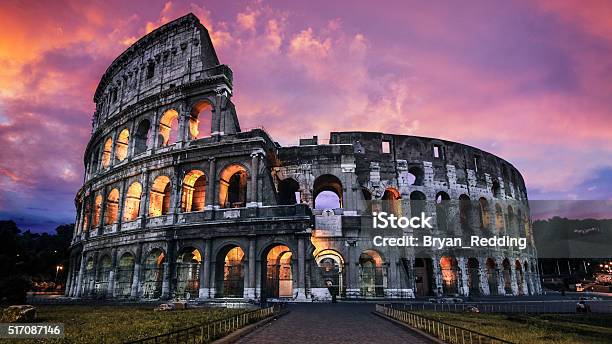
point(332, 323)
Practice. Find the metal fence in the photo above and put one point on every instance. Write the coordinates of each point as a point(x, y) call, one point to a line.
point(443, 331)
point(531, 307)
point(210, 331)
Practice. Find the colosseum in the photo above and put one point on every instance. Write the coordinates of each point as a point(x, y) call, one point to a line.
point(179, 202)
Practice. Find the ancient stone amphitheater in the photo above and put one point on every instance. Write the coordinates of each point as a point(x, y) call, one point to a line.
point(179, 202)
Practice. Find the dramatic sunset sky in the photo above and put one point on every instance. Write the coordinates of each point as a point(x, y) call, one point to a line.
point(529, 81)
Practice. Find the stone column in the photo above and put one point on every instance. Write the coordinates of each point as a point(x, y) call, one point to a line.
point(513, 282)
point(121, 204)
point(437, 276)
point(79, 289)
point(483, 273)
point(168, 267)
point(249, 290)
point(136, 277)
point(110, 292)
point(144, 199)
point(68, 283)
point(501, 283)
point(252, 190)
point(462, 279)
point(103, 212)
point(211, 185)
point(204, 292)
point(301, 253)
point(352, 271)
point(94, 273)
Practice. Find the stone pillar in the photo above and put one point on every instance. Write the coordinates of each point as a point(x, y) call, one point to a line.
point(121, 204)
point(92, 281)
point(301, 285)
point(483, 273)
point(136, 277)
point(168, 272)
point(103, 212)
point(144, 199)
point(252, 190)
point(352, 271)
point(110, 292)
point(68, 283)
point(501, 283)
point(437, 276)
point(513, 282)
point(249, 290)
point(79, 289)
point(204, 292)
point(211, 185)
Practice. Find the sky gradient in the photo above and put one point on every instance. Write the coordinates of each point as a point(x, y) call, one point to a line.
point(528, 81)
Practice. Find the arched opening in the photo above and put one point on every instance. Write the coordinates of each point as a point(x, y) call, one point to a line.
point(200, 120)
point(450, 269)
point(288, 192)
point(95, 221)
point(331, 268)
point(496, 189)
point(327, 192)
point(499, 218)
point(131, 209)
point(95, 159)
point(194, 191)
point(188, 264)
point(492, 276)
point(125, 275)
point(233, 187)
point(417, 203)
point(153, 274)
point(473, 268)
point(104, 267)
point(465, 209)
point(372, 274)
point(392, 202)
point(416, 176)
point(86, 214)
point(520, 277)
point(168, 128)
point(107, 152)
point(442, 206)
point(485, 220)
point(507, 274)
point(511, 221)
point(278, 274)
point(142, 139)
point(230, 272)
point(89, 277)
point(121, 147)
point(423, 276)
point(112, 207)
point(160, 196)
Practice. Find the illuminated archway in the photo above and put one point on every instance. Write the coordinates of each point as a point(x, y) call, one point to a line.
point(372, 274)
point(331, 268)
point(188, 272)
point(121, 147)
point(131, 208)
point(450, 269)
point(392, 202)
point(278, 277)
point(233, 187)
point(168, 128)
point(194, 191)
point(200, 120)
point(160, 196)
point(153, 274)
point(230, 272)
point(107, 152)
point(112, 207)
point(95, 221)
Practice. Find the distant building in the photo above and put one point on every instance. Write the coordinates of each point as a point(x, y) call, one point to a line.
point(178, 201)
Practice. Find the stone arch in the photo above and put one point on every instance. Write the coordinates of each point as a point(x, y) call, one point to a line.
point(499, 219)
point(507, 275)
point(520, 276)
point(372, 274)
point(416, 176)
point(125, 274)
point(188, 263)
point(473, 271)
point(423, 276)
point(450, 275)
point(442, 207)
point(465, 212)
point(492, 274)
point(112, 207)
point(277, 271)
point(131, 208)
point(288, 192)
point(392, 201)
point(161, 194)
point(153, 273)
point(233, 182)
point(89, 277)
point(200, 120)
point(331, 268)
point(485, 219)
point(102, 274)
point(95, 221)
point(168, 128)
point(229, 271)
point(496, 189)
point(417, 203)
point(142, 138)
point(107, 152)
point(327, 192)
point(193, 195)
point(121, 146)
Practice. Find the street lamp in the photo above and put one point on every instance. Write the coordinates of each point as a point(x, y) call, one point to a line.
point(57, 270)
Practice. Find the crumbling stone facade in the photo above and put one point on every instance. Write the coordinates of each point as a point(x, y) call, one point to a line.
point(178, 201)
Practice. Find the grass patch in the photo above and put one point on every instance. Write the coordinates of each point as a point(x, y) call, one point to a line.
point(117, 324)
point(534, 329)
